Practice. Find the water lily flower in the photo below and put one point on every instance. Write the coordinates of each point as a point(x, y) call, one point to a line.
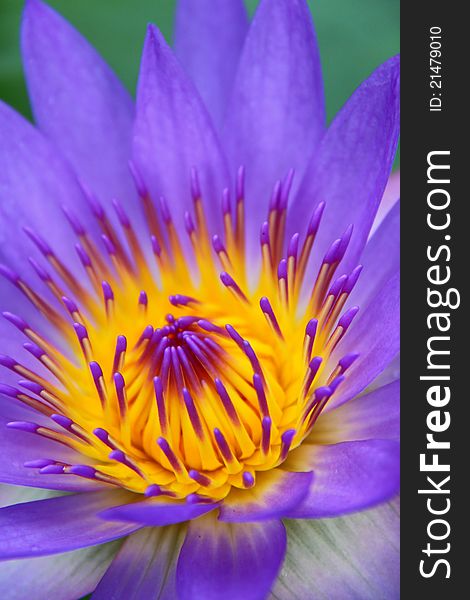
point(198, 331)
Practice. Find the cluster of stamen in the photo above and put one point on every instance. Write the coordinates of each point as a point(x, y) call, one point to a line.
point(179, 380)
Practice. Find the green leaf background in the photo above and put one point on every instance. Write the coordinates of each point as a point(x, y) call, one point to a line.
point(354, 37)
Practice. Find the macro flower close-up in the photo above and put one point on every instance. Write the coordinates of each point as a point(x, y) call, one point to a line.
point(199, 394)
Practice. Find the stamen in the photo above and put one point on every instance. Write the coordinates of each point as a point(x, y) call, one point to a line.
point(287, 438)
point(170, 455)
point(120, 386)
point(266, 435)
point(230, 283)
point(120, 353)
point(162, 416)
point(270, 316)
point(98, 379)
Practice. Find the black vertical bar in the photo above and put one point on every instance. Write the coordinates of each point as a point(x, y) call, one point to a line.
point(434, 120)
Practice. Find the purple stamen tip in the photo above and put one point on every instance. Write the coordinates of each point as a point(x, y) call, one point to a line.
point(233, 333)
point(226, 279)
point(322, 392)
point(7, 361)
point(208, 326)
point(119, 381)
point(165, 211)
point(164, 445)
point(101, 434)
point(83, 256)
point(63, 421)
point(275, 196)
point(265, 304)
point(148, 332)
point(347, 361)
point(81, 331)
point(143, 299)
point(293, 245)
point(117, 455)
point(333, 253)
point(37, 239)
point(311, 328)
point(352, 279)
point(282, 269)
point(338, 285)
point(241, 183)
point(153, 490)
point(16, 321)
point(345, 239)
point(195, 187)
point(93, 202)
point(336, 382)
point(9, 274)
point(108, 293)
point(348, 316)
point(33, 349)
point(316, 218)
point(40, 463)
point(32, 386)
point(23, 426)
point(315, 363)
point(264, 233)
point(70, 305)
point(108, 244)
point(226, 201)
point(121, 344)
point(188, 223)
point(83, 471)
point(73, 220)
point(52, 470)
point(138, 181)
point(40, 271)
point(217, 244)
point(248, 479)
point(288, 436)
point(96, 371)
point(121, 214)
point(8, 390)
point(156, 248)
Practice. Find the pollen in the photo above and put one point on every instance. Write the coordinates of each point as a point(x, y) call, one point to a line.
point(170, 375)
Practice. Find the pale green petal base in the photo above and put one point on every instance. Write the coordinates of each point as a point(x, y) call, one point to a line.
point(348, 558)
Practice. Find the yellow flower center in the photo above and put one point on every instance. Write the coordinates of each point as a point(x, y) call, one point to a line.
point(181, 380)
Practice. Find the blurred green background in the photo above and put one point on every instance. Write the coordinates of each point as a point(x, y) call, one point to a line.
point(354, 36)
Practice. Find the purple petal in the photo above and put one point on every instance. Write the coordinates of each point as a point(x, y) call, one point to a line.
point(375, 336)
point(208, 42)
point(380, 259)
point(390, 196)
point(350, 168)
point(18, 447)
point(355, 557)
point(276, 114)
point(78, 102)
point(61, 577)
point(374, 415)
point(145, 567)
point(348, 477)
point(60, 524)
point(173, 134)
point(275, 494)
point(34, 183)
point(230, 561)
point(155, 512)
